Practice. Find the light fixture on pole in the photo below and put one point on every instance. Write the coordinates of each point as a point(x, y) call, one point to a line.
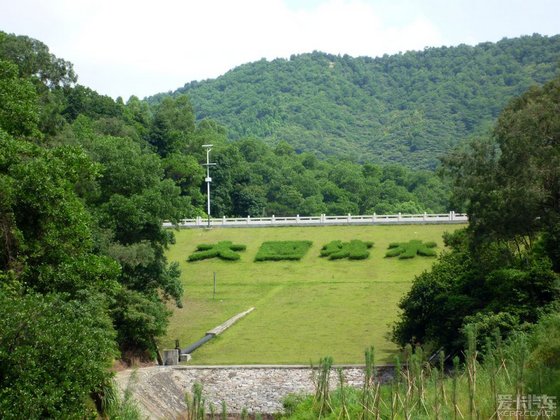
point(208, 180)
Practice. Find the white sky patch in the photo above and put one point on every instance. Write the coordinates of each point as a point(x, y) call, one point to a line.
point(142, 47)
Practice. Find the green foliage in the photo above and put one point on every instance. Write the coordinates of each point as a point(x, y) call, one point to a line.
point(486, 324)
point(81, 100)
point(130, 201)
point(115, 406)
point(196, 403)
point(544, 357)
point(172, 125)
point(57, 339)
point(480, 290)
point(41, 71)
point(45, 225)
point(35, 61)
point(82, 249)
point(408, 108)
point(509, 183)
point(187, 173)
point(321, 379)
point(353, 250)
point(223, 413)
point(139, 319)
point(431, 299)
point(502, 271)
point(54, 353)
point(82, 213)
point(282, 250)
point(223, 249)
point(18, 102)
point(523, 367)
point(410, 249)
point(253, 179)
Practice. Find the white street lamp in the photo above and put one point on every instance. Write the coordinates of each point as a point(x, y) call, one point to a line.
point(208, 180)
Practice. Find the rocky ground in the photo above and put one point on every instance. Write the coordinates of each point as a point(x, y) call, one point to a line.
point(160, 391)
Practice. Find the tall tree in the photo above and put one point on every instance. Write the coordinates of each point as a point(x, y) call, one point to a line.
point(48, 74)
point(511, 184)
point(132, 200)
point(35, 61)
point(172, 125)
point(503, 270)
point(19, 111)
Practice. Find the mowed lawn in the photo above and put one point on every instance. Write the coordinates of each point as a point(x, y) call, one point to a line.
point(304, 310)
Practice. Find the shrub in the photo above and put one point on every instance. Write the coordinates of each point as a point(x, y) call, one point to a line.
point(354, 250)
point(282, 250)
point(332, 248)
point(226, 250)
point(54, 354)
point(411, 248)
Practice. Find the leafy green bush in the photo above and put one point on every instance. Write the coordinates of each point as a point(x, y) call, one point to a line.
point(282, 250)
point(411, 248)
point(226, 250)
point(353, 250)
point(54, 354)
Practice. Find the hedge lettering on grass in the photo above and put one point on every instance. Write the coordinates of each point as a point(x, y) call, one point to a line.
point(411, 248)
point(282, 250)
point(294, 250)
point(226, 250)
point(353, 250)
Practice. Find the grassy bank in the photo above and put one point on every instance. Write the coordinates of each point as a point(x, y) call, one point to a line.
point(517, 379)
point(303, 309)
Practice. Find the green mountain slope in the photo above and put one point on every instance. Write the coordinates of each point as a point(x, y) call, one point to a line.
point(408, 108)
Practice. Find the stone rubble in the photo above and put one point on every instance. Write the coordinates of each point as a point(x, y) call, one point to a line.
point(160, 391)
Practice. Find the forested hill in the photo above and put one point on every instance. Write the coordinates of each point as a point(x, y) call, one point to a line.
point(408, 108)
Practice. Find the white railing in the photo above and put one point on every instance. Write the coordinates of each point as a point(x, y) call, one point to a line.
point(322, 220)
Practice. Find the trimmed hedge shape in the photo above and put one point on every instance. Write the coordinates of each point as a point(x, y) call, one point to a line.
point(411, 248)
point(353, 250)
point(223, 249)
point(282, 250)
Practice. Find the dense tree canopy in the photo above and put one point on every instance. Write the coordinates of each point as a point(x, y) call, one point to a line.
point(502, 271)
point(54, 352)
point(409, 108)
point(82, 266)
point(86, 182)
point(18, 102)
point(253, 179)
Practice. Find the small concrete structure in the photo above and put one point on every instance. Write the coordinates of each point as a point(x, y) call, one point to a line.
point(170, 357)
point(185, 357)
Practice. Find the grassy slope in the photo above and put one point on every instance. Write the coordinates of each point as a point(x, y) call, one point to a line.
point(303, 310)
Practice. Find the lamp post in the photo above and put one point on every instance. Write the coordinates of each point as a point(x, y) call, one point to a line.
point(208, 180)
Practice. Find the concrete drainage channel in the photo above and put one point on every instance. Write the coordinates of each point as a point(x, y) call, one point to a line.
point(174, 356)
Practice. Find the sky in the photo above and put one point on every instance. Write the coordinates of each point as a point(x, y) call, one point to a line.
point(142, 47)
